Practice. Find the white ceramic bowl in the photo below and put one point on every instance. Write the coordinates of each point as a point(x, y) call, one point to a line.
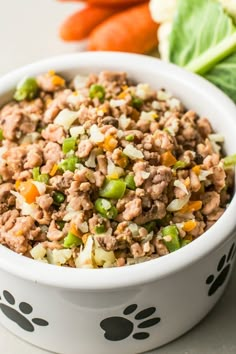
point(132, 309)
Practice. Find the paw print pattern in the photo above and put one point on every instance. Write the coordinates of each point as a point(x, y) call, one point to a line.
point(119, 328)
point(18, 316)
point(223, 269)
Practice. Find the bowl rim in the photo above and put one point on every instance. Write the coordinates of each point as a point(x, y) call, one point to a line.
point(123, 277)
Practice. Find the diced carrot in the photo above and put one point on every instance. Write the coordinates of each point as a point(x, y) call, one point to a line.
point(168, 159)
point(19, 233)
point(189, 225)
point(75, 231)
point(53, 170)
point(110, 143)
point(132, 30)
point(85, 237)
point(196, 169)
point(187, 182)
point(122, 161)
point(17, 184)
point(123, 94)
point(29, 191)
point(58, 81)
point(79, 25)
point(109, 3)
point(192, 206)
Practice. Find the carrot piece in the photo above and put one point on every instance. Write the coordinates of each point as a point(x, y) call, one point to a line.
point(197, 169)
point(17, 184)
point(132, 30)
point(75, 231)
point(108, 3)
point(168, 159)
point(79, 25)
point(191, 206)
point(110, 143)
point(54, 170)
point(29, 191)
point(189, 225)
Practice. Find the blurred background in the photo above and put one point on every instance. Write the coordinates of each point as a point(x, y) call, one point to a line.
point(31, 30)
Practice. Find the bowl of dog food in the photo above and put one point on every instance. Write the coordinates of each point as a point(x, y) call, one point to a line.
point(117, 227)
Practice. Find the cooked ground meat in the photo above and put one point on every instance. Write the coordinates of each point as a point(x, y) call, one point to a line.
point(106, 172)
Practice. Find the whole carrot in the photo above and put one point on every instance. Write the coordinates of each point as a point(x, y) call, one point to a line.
point(79, 25)
point(131, 30)
point(109, 3)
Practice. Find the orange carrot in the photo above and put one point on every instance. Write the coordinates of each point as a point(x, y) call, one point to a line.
point(109, 3)
point(168, 159)
point(29, 191)
point(132, 30)
point(79, 25)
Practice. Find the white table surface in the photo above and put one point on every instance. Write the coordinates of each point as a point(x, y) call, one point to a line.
point(28, 32)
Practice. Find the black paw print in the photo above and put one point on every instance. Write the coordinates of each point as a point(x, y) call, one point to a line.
point(18, 317)
point(119, 328)
point(223, 269)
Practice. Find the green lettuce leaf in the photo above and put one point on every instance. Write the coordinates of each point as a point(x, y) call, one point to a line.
point(203, 40)
point(223, 75)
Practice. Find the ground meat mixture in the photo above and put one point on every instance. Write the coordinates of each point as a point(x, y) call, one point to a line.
point(102, 172)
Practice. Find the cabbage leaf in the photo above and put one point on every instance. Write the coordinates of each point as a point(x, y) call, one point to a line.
point(203, 40)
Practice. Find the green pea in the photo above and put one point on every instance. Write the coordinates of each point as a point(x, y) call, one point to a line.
point(58, 198)
point(71, 241)
point(171, 238)
point(129, 137)
point(113, 189)
point(136, 102)
point(68, 145)
point(60, 224)
point(179, 165)
point(97, 91)
point(69, 164)
point(150, 226)
point(184, 242)
point(100, 229)
point(27, 89)
point(130, 183)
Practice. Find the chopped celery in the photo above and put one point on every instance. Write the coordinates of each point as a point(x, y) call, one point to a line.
point(130, 184)
point(1, 135)
point(68, 145)
point(113, 189)
point(171, 238)
point(229, 161)
point(71, 241)
point(37, 176)
point(69, 164)
point(105, 208)
point(27, 89)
